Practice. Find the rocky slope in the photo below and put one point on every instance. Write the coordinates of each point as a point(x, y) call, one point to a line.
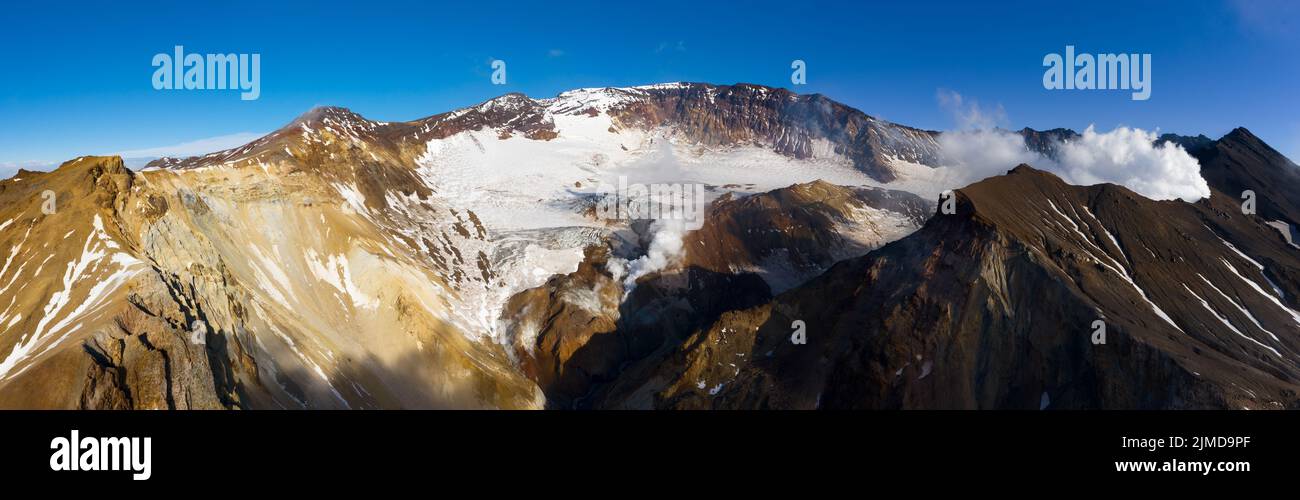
point(794, 125)
point(800, 126)
point(581, 329)
point(458, 261)
point(231, 287)
point(1239, 162)
point(341, 262)
point(790, 235)
point(994, 307)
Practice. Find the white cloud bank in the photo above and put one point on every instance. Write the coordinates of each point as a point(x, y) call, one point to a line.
point(1132, 158)
point(1126, 156)
point(194, 148)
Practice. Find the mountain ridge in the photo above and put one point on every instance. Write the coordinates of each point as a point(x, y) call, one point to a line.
point(791, 123)
point(456, 261)
point(920, 284)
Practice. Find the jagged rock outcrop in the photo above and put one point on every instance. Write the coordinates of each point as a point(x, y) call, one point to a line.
point(800, 126)
point(549, 325)
point(1046, 142)
point(790, 235)
point(232, 288)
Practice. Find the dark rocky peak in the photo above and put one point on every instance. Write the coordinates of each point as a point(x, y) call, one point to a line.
point(1192, 144)
point(801, 126)
point(1241, 134)
point(508, 114)
point(1026, 169)
point(510, 102)
point(1240, 162)
point(338, 120)
point(320, 114)
point(167, 162)
point(315, 134)
point(1244, 142)
point(1045, 142)
point(1059, 133)
point(1021, 181)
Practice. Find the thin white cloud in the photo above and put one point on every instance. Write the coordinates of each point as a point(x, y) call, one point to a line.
point(555, 53)
point(967, 114)
point(185, 149)
point(193, 148)
point(10, 168)
point(1274, 18)
point(678, 46)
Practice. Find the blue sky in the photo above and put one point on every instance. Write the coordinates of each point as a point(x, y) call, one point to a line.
point(79, 76)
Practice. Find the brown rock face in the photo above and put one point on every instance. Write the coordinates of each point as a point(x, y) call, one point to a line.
point(793, 124)
point(550, 324)
point(790, 235)
point(578, 335)
point(227, 282)
point(1240, 161)
point(131, 346)
point(800, 126)
point(994, 307)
